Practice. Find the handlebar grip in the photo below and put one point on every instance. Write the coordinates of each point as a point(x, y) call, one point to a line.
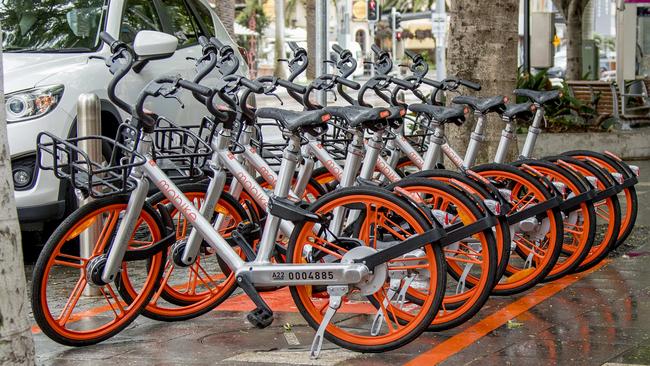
point(338, 49)
point(203, 41)
point(433, 83)
point(470, 84)
point(292, 86)
point(107, 38)
point(349, 83)
point(194, 87)
point(376, 49)
point(410, 54)
point(294, 46)
point(217, 42)
point(252, 85)
point(402, 83)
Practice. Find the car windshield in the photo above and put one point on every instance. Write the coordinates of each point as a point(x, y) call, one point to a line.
point(50, 25)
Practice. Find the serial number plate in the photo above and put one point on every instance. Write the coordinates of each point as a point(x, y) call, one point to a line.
point(303, 275)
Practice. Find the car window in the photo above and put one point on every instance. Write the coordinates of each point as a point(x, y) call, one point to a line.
point(138, 15)
point(204, 16)
point(181, 22)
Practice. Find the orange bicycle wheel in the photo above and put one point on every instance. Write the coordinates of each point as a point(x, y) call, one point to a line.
point(188, 292)
point(471, 263)
point(579, 225)
point(537, 240)
point(61, 275)
point(381, 218)
point(608, 214)
point(627, 198)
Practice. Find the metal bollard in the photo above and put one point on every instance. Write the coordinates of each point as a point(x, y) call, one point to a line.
point(89, 123)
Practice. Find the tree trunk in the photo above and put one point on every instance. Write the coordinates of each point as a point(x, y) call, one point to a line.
point(279, 39)
point(16, 343)
point(310, 8)
point(574, 41)
point(572, 11)
point(226, 11)
point(482, 47)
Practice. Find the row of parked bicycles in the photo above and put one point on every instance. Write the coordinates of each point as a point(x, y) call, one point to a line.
point(376, 240)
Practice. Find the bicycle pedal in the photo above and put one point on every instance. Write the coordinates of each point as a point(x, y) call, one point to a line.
point(260, 318)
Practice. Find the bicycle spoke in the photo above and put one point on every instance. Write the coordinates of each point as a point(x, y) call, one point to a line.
point(72, 300)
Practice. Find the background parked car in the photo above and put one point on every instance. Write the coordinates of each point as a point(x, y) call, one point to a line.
point(52, 54)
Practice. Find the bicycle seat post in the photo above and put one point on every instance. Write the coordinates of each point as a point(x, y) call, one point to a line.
point(533, 132)
point(507, 136)
point(290, 158)
point(476, 139)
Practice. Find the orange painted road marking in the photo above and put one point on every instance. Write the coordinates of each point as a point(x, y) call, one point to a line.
point(281, 301)
point(82, 315)
point(493, 321)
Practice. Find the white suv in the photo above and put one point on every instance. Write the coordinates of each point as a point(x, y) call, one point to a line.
point(50, 58)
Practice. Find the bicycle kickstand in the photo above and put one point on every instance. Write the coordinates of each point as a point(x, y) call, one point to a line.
point(336, 294)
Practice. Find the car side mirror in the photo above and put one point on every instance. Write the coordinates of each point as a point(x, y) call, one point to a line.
point(152, 45)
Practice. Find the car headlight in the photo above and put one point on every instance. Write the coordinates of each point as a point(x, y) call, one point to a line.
point(28, 104)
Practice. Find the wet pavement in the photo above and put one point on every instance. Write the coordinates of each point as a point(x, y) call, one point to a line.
point(588, 319)
point(594, 318)
point(601, 317)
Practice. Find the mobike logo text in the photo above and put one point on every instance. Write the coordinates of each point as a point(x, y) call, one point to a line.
point(268, 175)
point(457, 160)
point(387, 171)
point(416, 159)
point(252, 188)
point(176, 198)
point(334, 169)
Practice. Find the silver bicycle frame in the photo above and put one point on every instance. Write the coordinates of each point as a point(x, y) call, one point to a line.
point(261, 272)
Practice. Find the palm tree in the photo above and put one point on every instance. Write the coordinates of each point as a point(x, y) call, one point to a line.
point(482, 47)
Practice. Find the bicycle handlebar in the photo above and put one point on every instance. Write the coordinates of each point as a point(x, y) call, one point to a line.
point(203, 41)
point(412, 55)
point(402, 83)
point(378, 51)
point(349, 83)
point(195, 88)
point(292, 86)
point(338, 49)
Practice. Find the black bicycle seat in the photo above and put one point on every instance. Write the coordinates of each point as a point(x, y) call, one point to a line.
point(522, 111)
point(539, 97)
point(357, 116)
point(483, 105)
point(295, 121)
point(440, 114)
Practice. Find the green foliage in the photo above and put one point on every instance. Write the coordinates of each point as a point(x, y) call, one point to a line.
point(406, 5)
point(568, 113)
point(253, 8)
